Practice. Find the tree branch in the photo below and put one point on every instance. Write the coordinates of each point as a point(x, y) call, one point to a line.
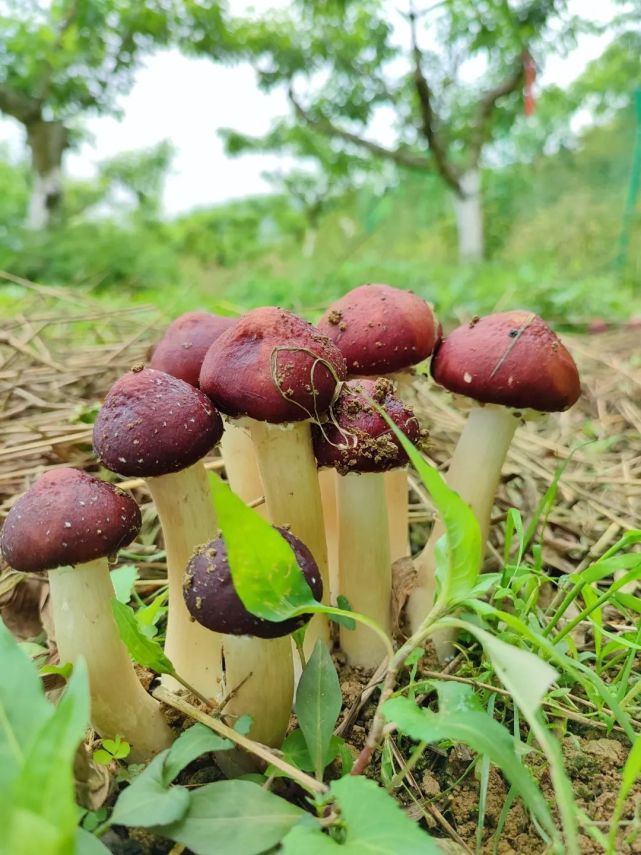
point(486, 107)
point(327, 127)
point(21, 107)
point(429, 120)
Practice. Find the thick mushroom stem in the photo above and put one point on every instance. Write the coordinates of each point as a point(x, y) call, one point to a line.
point(327, 482)
point(240, 463)
point(398, 512)
point(186, 512)
point(218, 666)
point(260, 683)
point(474, 473)
point(288, 471)
point(365, 562)
point(81, 598)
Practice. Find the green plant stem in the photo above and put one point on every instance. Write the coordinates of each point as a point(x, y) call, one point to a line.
point(331, 610)
point(256, 748)
point(393, 666)
point(415, 756)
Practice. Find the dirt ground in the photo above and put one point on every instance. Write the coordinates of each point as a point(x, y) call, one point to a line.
point(50, 386)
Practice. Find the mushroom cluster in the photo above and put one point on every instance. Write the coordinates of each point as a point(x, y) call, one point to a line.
point(302, 415)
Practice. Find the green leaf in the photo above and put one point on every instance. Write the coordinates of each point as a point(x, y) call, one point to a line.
point(123, 579)
point(194, 742)
point(23, 707)
point(374, 823)
point(266, 576)
point(148, 800)
point(458, 722)
point(460, 562)
point(343, 603)
point(89, 844)
point(295, 751)
point(41, 800)
point(232, 817)
point(318, 703)
point(145, 651)
point(102, 757)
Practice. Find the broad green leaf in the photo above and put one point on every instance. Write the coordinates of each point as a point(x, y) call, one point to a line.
point(478, 730)
point(194, 742)
point(145, 651)
point(148, 800)
point(526, 676)
point(295, 751)
point(44, 787)
point(318, 703)
point(460, 562)
point(374, 823)
point(89, 844)
point(23, 707)
point(263, 567)
point(232, 817)
point(631, 772)
point(123, 579)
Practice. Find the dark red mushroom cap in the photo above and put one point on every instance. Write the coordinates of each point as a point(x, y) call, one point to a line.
point(380, 329)
point(181, 350)
point(67, 517)
point(509, 358)
point(358, 439)
point(273, 367)
point(212, 599)
point(152, 424)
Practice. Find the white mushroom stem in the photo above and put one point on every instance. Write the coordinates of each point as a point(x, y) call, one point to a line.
point(474, 473)
point(241, 467)
point(398, 512)
point(260, 680)
point(327, 482)
point(186, 512)
point(288, 471)
point(254, 671)
point(365, 562)
point(81, 598)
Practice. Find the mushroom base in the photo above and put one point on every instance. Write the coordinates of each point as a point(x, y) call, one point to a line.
point(81, 598)
point(365, 563)
point(474, 473)
point(288, 471)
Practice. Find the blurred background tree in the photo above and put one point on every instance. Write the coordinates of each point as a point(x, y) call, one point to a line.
point(446, 78)
point(63, 59)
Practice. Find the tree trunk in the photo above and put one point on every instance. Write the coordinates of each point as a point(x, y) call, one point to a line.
point(47, 141)
point(309, 243)
point(469, 218)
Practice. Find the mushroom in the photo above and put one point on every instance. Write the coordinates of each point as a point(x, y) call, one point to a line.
point(212, 600)
point(509, 364)
point(68, 522)
point(361, 446)
point(182, 348)
point(180, 352)
point(279, 372)
point(381, 330)
point(154, 426)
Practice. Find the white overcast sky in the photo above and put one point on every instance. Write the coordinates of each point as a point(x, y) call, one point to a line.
point(187, 100)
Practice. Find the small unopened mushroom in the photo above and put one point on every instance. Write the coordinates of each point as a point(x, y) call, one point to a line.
point(279, 372)
point(68, 522)
point(180, 352)
point(510, 364)
point(154, 426)
point(266, 689)
point(385, 331)
point(361, 446)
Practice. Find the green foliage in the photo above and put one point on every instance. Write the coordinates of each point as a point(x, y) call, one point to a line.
point(112, 749)
point(318, 704)
point(143, 650)
point(371, 821)
point(37, 744)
